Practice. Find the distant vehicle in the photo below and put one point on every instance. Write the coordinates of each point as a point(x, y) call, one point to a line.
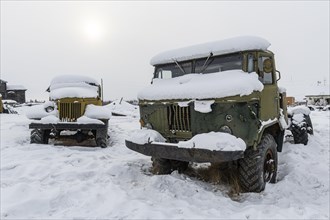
point(217, 102)
point(74, 111)
point(7, 106)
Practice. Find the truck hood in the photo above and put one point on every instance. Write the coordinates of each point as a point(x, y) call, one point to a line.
point(203, 86)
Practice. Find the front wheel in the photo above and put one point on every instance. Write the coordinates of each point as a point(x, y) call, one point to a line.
point(258, 166)
point(162, 166)
point(39, 136)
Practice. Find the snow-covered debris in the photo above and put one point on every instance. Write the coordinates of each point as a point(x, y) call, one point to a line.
point(203, 86)
point(218, 141)
point(73, 86)
point(216, 48)
point(97, 112)
point(144, 136)
point(121, 107)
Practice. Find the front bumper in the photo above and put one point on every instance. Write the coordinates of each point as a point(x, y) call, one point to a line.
point(67, 126)
point(173, 152)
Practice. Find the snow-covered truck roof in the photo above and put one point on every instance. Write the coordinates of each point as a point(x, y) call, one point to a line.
point(221, 47)
point(73, 86)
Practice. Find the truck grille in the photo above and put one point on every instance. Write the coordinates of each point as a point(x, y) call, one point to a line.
point(70, 111)
point(179, 118)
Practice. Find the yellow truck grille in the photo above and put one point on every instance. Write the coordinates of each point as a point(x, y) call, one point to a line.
point(179, 118)
point(69, 112)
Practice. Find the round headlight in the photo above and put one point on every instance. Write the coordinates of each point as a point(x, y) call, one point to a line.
point(226, 129)
point(49, 109)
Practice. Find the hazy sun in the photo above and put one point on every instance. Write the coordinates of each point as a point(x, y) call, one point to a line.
point(93, 30)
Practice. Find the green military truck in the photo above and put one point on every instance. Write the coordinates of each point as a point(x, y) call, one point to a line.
point(74, 111)
point(217, 102)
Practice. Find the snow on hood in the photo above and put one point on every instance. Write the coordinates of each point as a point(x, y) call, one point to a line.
point(230, 45)
point(203, 86)
point(73, 86)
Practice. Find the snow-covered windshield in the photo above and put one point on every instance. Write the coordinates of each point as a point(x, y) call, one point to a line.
point(73, 86)
point(208, 64)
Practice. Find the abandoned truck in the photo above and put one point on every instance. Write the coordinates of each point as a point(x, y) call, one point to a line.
point(74, 111)
point(217, 102)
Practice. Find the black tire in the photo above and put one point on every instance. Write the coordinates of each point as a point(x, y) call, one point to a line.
point(309, 124)
point(299, 134)
point(161, 166)
point(39, 136)
point(180, 166)
point(101, 137)
point(258, 166)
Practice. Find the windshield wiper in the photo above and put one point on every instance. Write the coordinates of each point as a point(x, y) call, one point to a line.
point(180, 67)
point(207, 59)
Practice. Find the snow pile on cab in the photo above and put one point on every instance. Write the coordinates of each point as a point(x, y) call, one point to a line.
point(216, 48)
point(145, 136)
point(217, 141)
point(203, 86)
point(73, 86)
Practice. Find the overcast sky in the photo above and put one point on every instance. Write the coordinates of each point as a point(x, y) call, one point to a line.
point(115, 40)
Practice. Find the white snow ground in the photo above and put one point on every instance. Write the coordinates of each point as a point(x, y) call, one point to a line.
point(58, 182)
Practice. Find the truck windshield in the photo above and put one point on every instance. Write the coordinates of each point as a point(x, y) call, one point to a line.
point(205, 65)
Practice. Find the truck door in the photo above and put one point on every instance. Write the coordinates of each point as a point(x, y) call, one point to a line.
point(269, 100)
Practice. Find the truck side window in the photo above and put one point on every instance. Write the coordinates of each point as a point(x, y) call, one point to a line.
point(163, 74)
point(265, 67)
point(250, 63)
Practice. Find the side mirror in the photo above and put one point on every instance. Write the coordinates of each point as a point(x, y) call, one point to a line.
point(278, 75)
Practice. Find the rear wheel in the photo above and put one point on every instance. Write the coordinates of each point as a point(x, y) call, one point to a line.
point(309, 124)
point(258, 166)
point(299, 133)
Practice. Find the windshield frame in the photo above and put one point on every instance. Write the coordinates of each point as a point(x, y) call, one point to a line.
point(199, 66)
